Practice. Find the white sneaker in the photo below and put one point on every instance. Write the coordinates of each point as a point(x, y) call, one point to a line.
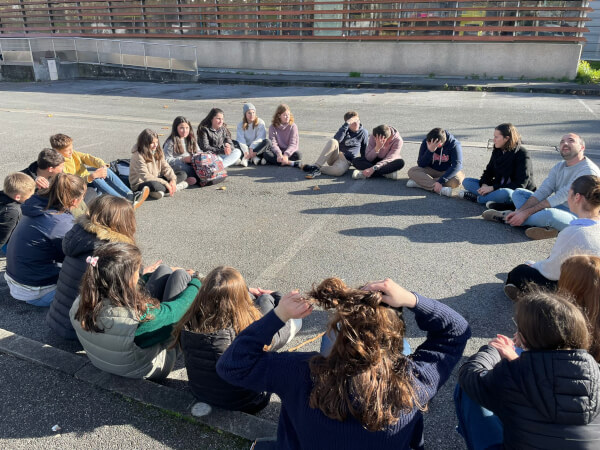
point(156, 194)
point(447, 191)
point(244, 162)
point(263, 161)
point(181, 186)
point(358, 175)
point(411, 184)
point(256, 160)
point(393, 176)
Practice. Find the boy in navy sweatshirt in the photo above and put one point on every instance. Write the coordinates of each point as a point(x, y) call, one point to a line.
point(348, 143)
point(18, 187)
point(439, 164)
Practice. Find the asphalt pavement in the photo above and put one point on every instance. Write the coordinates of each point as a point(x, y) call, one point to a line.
point(278, 229)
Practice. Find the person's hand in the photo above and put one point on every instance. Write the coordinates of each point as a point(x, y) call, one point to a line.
point(293, 306)
point(41, 182)
point(99, 173)
point(485, 189)
point(257, 292)
point(151, 268)
point(172, 187)
point(251, 154)
point(437, 187)
point(285, 160)
point(379, 142)
point(505, 347)
point(393, 294)
point(516, 218)
point(279, 158)
point(227, 149)
point(352, 120)
point(187, 159)
point(368, 172)
point(432, 146)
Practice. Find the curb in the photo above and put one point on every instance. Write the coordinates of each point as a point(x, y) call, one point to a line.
point(234, 422)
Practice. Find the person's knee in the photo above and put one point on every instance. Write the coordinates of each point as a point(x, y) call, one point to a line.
point(415, 171)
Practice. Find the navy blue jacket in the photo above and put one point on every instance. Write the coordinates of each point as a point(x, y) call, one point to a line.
point(352, 144)
point(448, 158)
point(35, 247)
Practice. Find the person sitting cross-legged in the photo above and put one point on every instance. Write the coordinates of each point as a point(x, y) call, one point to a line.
point(382, 157)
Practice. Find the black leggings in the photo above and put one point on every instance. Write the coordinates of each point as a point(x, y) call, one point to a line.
point(165, 285)
point(523, 275)
point(271, 157)
point(361, 163)
point(157, 186)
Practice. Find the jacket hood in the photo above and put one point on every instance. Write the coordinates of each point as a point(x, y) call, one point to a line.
point(5, 199)
point(34, 206)
point(84, 237)
point(563, 385)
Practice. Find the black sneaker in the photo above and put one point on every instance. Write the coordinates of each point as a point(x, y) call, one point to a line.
point(313, 174)
point(500, 206)
point(468, 196)
point(309, 167)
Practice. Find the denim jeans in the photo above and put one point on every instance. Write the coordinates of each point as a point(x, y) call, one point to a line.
point(558, 217)
point(111, 185)
point(480, 428)
point(44, 301)
point(329, 338)
point(501, 195)
point(231, 159)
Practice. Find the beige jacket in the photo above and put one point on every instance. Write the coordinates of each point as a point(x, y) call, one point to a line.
point(141, 171)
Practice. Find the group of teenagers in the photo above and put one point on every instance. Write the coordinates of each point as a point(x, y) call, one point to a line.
point(366, 388)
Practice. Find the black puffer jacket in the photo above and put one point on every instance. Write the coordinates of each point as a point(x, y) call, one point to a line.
point(78, 244)
point(545, 399)
point(512, 170)
point(202, 351)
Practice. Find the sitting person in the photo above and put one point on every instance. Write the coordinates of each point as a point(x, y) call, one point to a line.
point(382, 155)
point(544, 398)
point(149, 168)
point(509, 168)
point(103, 180)
point(179, 148)
point(285, 140)
point(34, 252)
point(214, 137)
point(123, 329)
point(252, 135)
point(348, 143)
point(546, 211)
point(439, 165)
point(49, 162)
point(110, 219)
point(579, 280)
point(18, 187)
point(581, 236)
point(223, 308)
point(365, 393)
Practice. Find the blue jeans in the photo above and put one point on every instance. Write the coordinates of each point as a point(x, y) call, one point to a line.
point(329, 338)
point(558, 217)
point(231, 159)
point(480, 428)
point(43, 301)
point(111, 185)
point(501, 195)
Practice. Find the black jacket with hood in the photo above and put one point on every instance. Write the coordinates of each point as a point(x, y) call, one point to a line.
point(509, 169)
point(545, 399)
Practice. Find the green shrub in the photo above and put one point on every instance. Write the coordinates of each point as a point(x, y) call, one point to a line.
point(588, 73)
point(355, 74)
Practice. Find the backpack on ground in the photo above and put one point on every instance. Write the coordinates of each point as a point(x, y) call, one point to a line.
point(209, 168)
point(121, 168)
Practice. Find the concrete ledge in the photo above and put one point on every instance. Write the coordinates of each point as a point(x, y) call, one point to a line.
point(16, 73)
point(103, 71)
point(147, 392)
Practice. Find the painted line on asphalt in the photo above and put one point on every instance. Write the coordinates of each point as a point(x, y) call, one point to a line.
point(586, 106)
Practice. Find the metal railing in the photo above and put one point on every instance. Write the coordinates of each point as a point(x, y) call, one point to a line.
point(22, 51)
point(458, 20)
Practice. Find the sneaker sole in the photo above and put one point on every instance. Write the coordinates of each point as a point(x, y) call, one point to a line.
point(539, 233)
point(493, 216)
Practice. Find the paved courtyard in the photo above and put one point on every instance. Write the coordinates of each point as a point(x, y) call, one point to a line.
point(282, 232)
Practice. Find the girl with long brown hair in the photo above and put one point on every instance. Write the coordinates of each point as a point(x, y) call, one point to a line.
point(34, 252)
point(283, 134)
point(180, 146)
point(124, 327)
point(223, 308)
point(580, 281)
point(365, 393)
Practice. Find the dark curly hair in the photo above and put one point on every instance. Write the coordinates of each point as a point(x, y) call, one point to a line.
point(365, 374)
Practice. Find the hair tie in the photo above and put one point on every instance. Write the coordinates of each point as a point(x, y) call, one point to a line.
point(92, 260)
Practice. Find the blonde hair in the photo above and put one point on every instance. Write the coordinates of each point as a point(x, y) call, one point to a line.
point(18, 184)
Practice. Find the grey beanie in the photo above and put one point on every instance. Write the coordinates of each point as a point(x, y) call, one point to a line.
point(248, 107)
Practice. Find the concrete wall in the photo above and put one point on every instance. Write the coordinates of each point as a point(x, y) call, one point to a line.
point(511, 60)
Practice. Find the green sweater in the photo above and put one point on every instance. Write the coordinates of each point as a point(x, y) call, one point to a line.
point(164, 316)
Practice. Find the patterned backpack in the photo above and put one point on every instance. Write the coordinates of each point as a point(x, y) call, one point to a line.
point(209, 168)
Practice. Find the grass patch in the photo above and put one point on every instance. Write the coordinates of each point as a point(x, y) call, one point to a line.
point(588, 72)
point(354, 74)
